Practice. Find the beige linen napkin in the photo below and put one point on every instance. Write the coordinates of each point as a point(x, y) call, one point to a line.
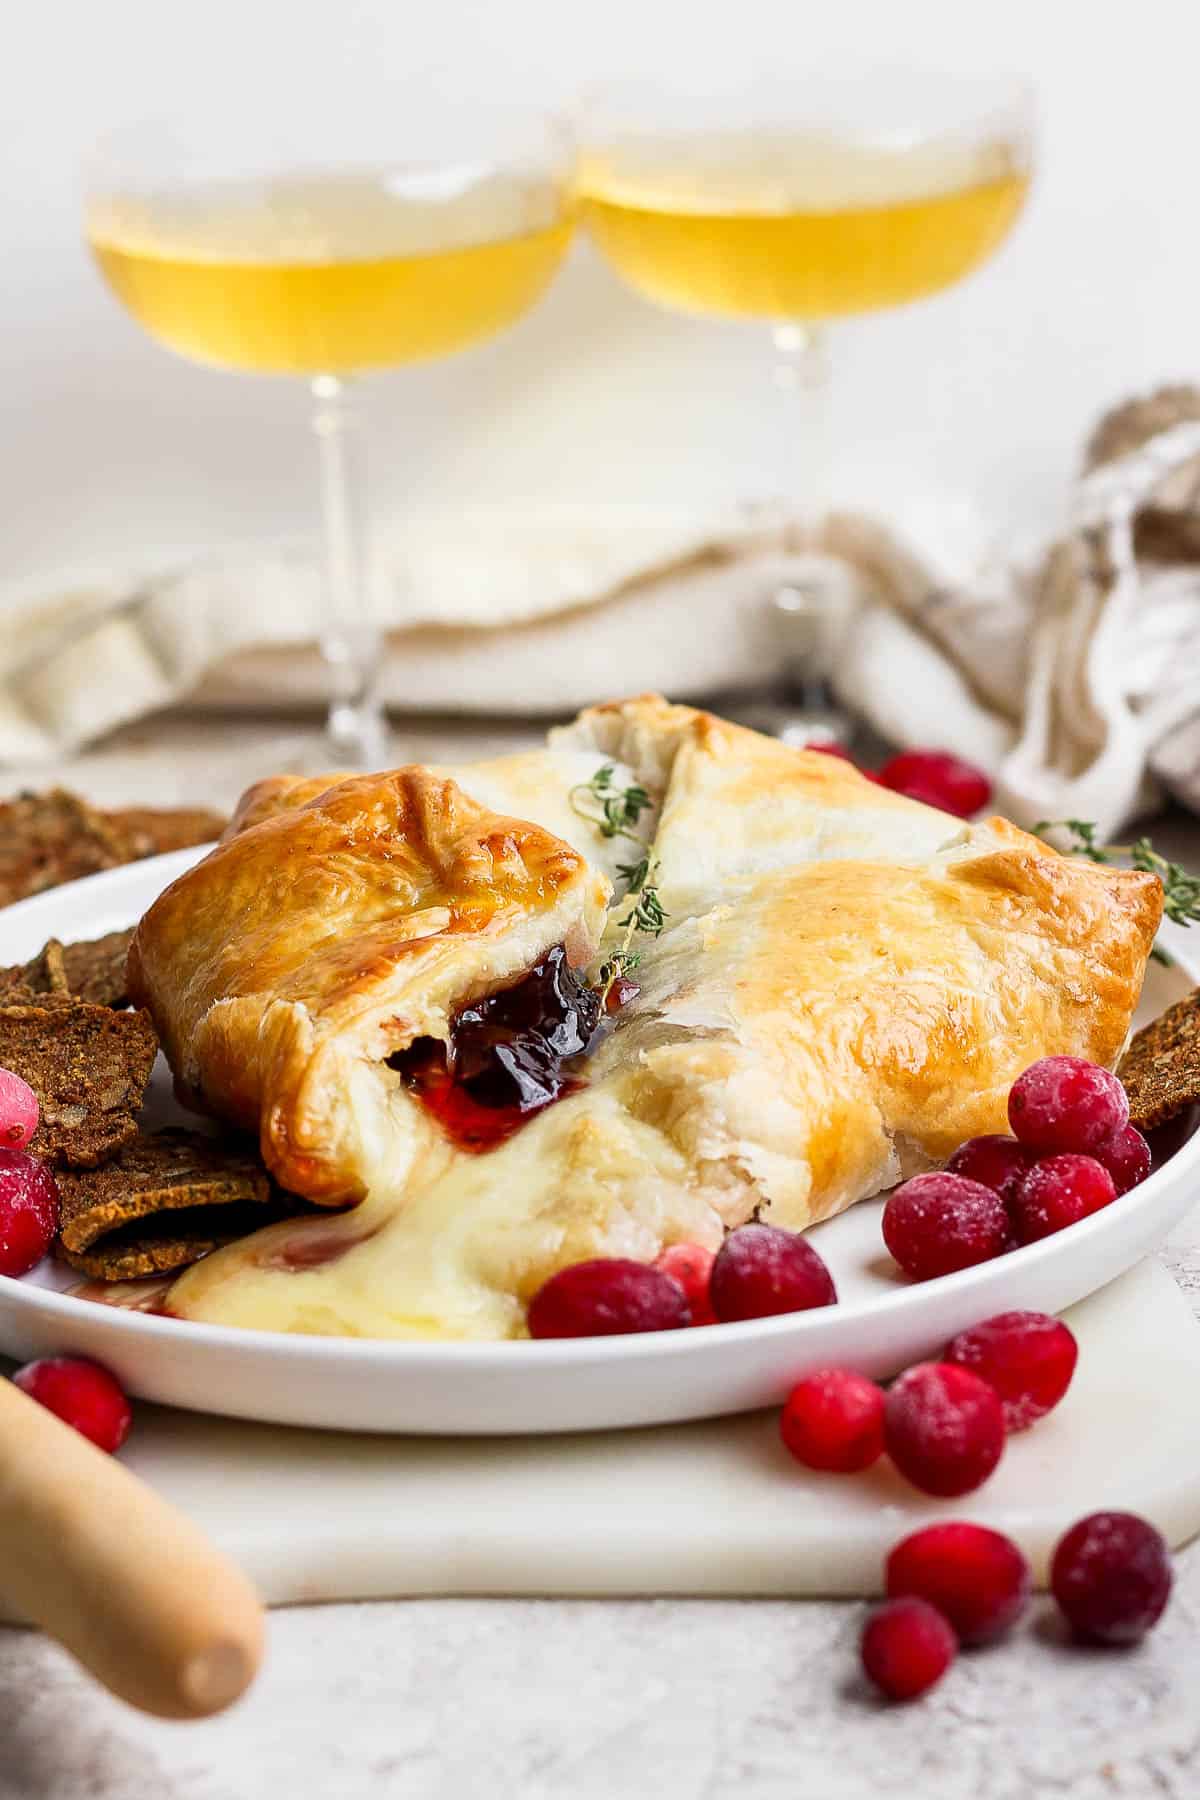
point(1075, 680)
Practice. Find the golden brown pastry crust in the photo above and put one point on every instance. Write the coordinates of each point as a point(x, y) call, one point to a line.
point(847, 984)
point(289, 964)
point(852, 980)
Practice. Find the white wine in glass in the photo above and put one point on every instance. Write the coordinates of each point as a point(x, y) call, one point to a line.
point(800, 200)
point(799, 228)
point(326, 270)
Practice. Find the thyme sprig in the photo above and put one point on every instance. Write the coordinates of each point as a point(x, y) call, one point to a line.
point(615, 811)
point(646, 915)
point(1181, 889)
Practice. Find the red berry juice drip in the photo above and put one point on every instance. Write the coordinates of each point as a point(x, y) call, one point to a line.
point(507, 1055)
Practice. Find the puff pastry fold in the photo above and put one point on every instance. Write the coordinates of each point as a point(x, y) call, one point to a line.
point(321, 937)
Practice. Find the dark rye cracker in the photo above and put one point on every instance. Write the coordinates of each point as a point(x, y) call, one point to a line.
point(93, 970)
point(153, 830)
point(45, 973)
point(169, 1198)
point(1160, 1071)
point(89, 1068)
point(46, 839)
point(52, 837)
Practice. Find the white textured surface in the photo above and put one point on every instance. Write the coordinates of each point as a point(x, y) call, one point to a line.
point(590, 1699)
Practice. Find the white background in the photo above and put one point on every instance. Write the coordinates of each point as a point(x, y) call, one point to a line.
point(113, 452)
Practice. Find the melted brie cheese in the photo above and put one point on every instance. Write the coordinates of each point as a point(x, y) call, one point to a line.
point(457, 1250)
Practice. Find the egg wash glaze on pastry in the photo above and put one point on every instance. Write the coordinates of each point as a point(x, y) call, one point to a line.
point(846, 986)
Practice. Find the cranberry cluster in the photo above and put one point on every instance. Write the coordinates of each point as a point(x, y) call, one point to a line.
point(1072, 1152)
point(759, 1270)
point(944, 1425)
point(29, 1202)
point(958, 1584)
point(80, 1392)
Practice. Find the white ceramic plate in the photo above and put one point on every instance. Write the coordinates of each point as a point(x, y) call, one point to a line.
point(881, 1322)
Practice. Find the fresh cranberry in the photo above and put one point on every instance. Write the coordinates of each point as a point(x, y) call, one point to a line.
point(998, 1162)
point(1059, 1191)
point(1028, 1357)
point(28, 1211)
point(829, 747)
point(1126, 1156)
point(761, 1269)
point(691, 1266)
point(833, 1420)
point(82, 1394)
point(943, 1428)
point(18, 1109)
point(1066, 1103)
point(938, 779)
point(1111, 1575)
point(606, 1297)
point(977, 1577)
point(907, 1645)
point(937, 1223)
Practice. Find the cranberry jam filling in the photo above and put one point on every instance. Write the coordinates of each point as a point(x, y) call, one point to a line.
point(507, 1054)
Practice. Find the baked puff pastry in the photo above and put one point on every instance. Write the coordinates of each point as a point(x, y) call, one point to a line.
point(845, 987)
point(320, 937)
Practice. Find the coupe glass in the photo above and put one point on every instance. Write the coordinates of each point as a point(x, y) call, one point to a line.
point(274, 256)
point(801, 199)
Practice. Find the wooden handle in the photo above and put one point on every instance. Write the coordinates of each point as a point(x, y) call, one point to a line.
point(122, 1580)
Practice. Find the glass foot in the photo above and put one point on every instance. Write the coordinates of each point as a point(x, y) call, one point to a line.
point(807, 617)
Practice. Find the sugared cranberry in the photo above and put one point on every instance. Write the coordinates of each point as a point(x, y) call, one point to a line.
point(605, 1297)
point(691, 1266)
point(761, 1269)
point(997, 1161)
point(1057, 1192)
point(82, 1394)
point(28, 1211)
point(833, 1420)
point(1127, 1158)
point(943, 1428)
point(18, 1110)
point(937, 1223)
point(1111, 1575)
point(1066, 1103)
point(907, 1645)
point(977, 1577)
point(938, 779)
point(1028, 1357)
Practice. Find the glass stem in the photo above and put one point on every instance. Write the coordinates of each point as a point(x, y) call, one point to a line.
point(805, 611)
point(350, 640)
point(801, 375)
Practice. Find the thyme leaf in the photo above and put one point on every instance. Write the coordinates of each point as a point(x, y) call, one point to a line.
point(613, 810)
